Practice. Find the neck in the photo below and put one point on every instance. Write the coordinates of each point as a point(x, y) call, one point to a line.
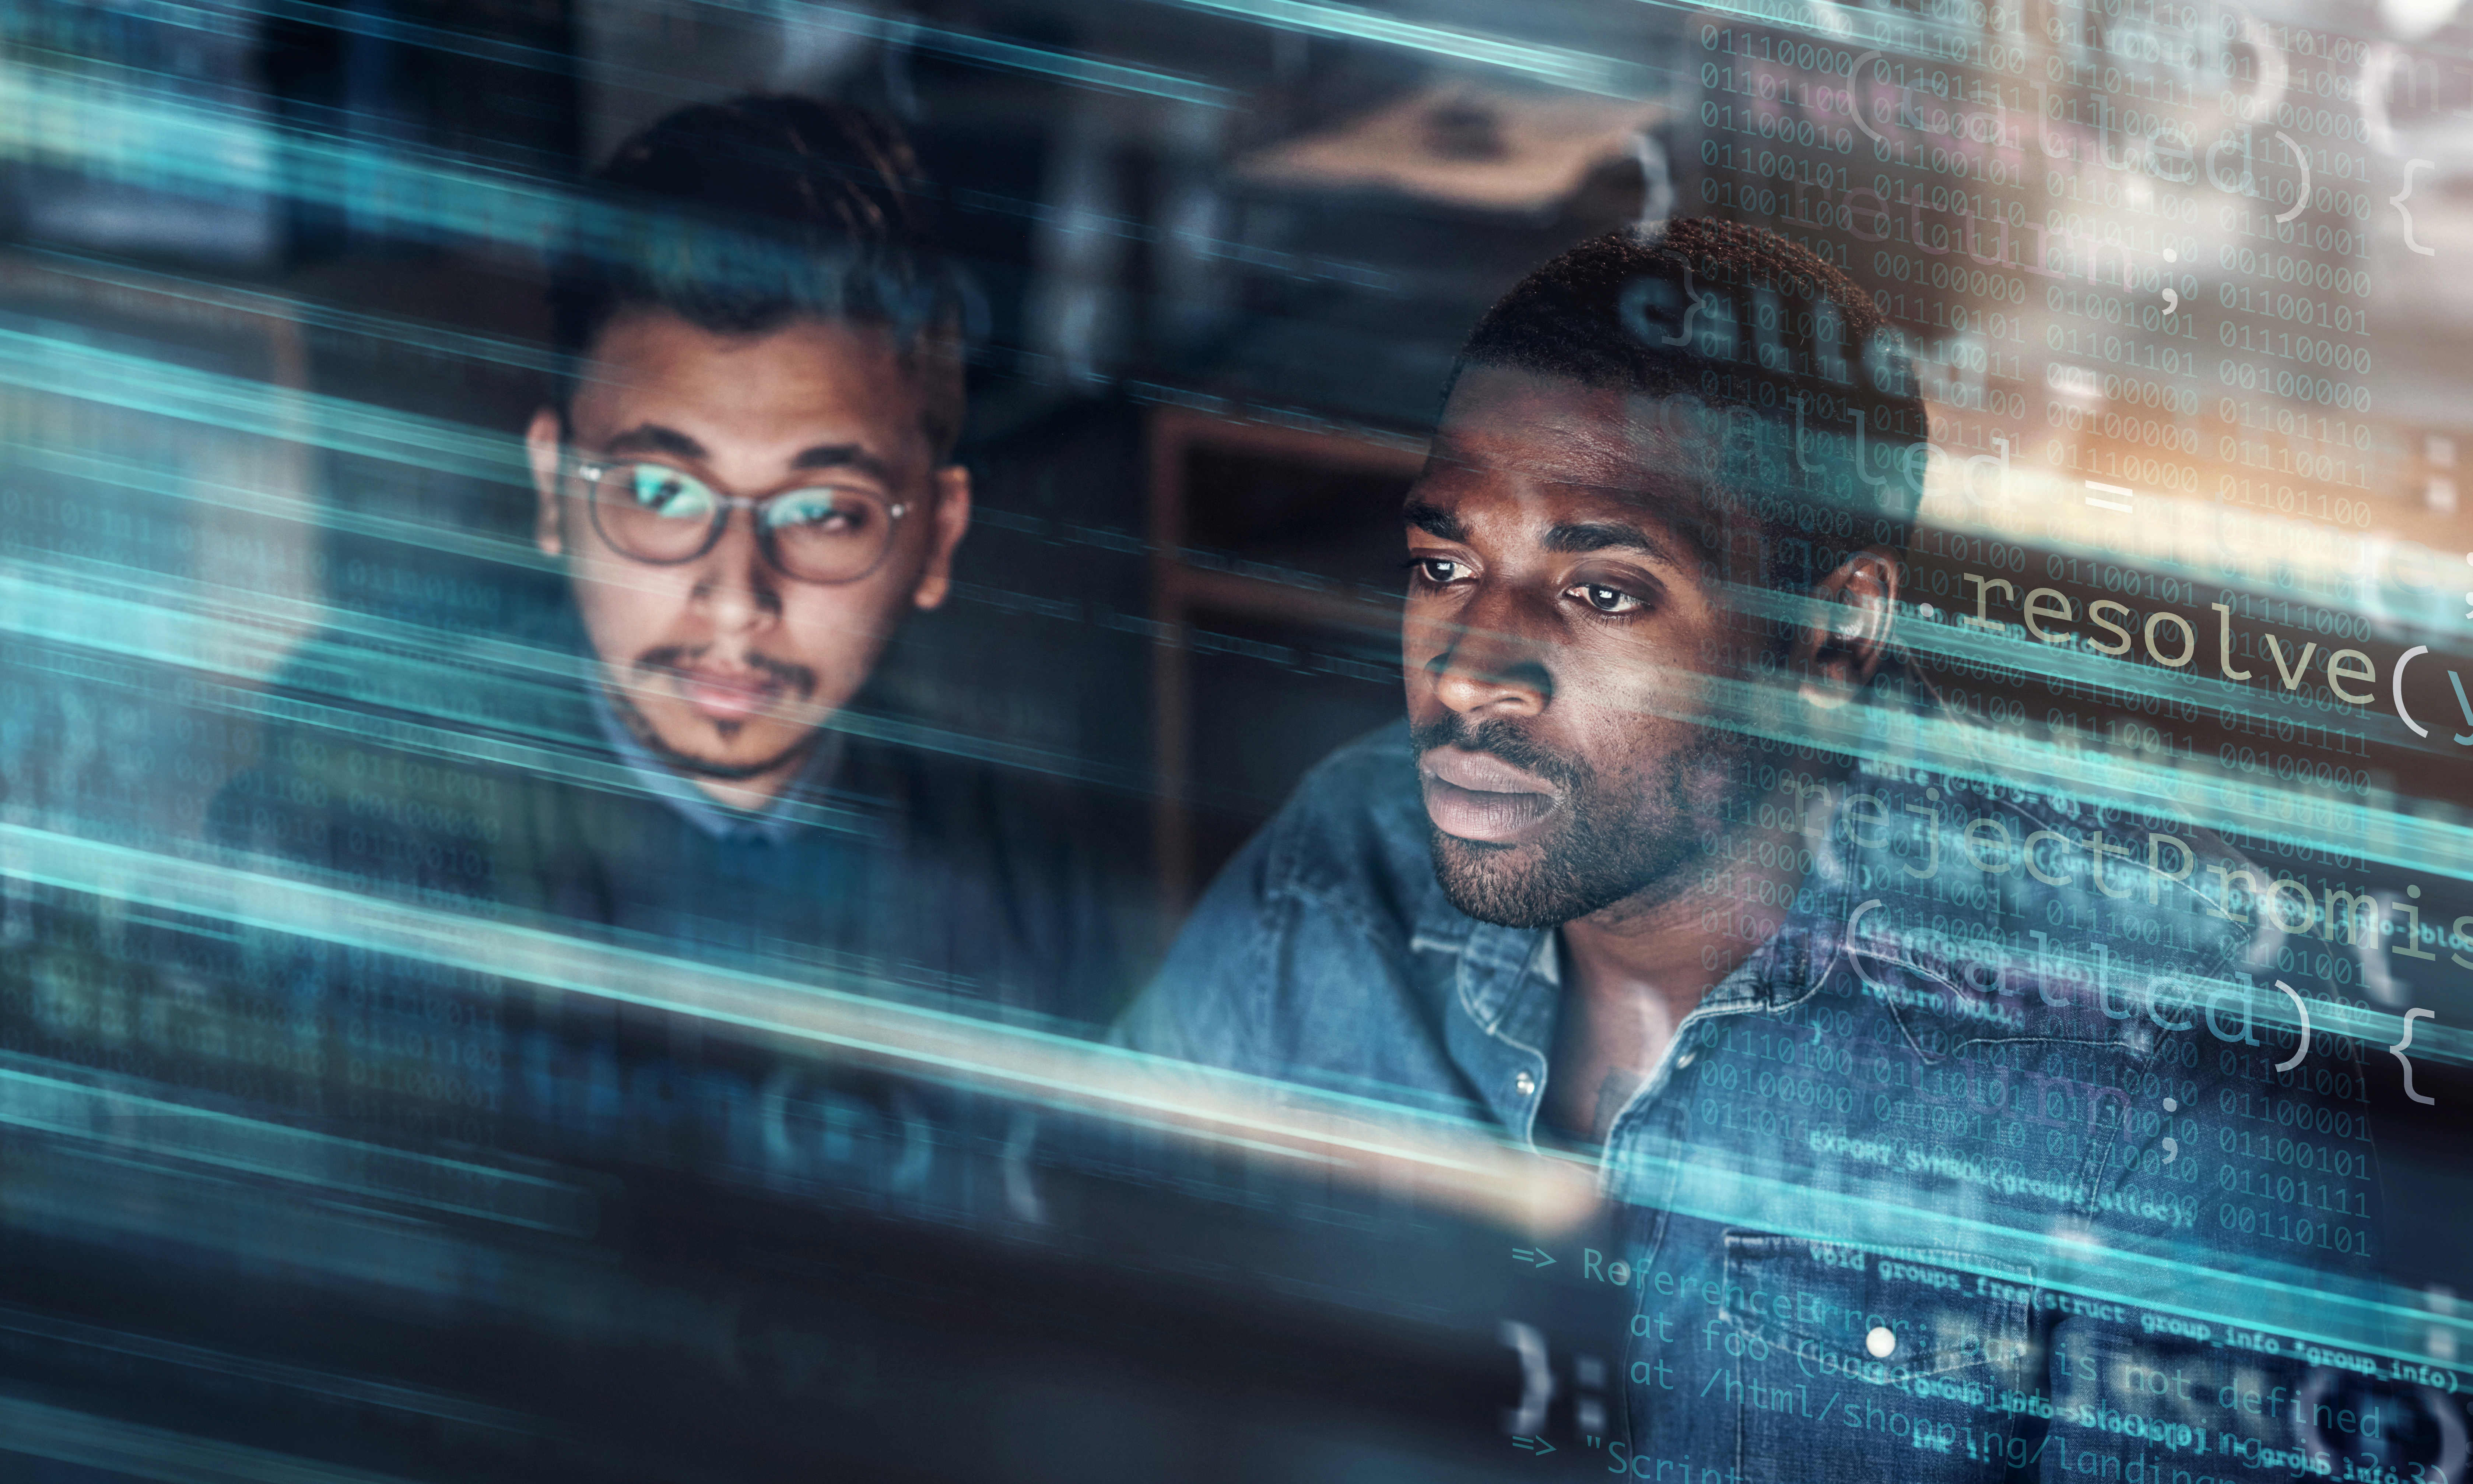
point(749, 792)
point(1633, 970)
point(755, 792)
point(1733, 902)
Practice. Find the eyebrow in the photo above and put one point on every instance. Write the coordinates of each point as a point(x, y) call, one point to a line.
point(1573, 536)
point(843, 456)
point(1433, 520)
point(654, 437)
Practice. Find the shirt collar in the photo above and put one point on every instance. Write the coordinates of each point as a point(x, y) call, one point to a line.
point(1790, 967)
point(1510, 982)
point(781, 817)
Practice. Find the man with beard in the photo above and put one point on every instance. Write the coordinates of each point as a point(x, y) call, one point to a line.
point(745, 479)
point(1886, 1057)
point(1572, 649)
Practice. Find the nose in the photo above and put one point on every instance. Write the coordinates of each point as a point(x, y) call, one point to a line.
point(1486, 671)
point(737, 588)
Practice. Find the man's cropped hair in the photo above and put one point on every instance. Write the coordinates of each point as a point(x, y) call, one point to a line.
point(740, 217)
point(1723, 320)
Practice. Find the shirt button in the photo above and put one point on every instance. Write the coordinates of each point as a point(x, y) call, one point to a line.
point(1523, 1084)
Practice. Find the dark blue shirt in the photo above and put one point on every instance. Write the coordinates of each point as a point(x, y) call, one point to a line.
point(494, 779)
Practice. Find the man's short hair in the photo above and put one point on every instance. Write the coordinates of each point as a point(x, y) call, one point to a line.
point(740, 217)
point(1737, 319)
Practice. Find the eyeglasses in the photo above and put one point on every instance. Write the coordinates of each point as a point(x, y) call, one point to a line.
point(654, 514)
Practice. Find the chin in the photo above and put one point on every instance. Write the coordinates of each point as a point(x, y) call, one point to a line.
point(1510, 886)
point(693, 743)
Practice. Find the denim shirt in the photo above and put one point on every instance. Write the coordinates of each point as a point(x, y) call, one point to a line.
point(1897, 1200)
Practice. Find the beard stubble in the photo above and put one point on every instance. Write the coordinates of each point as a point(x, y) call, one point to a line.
point(1616, 840)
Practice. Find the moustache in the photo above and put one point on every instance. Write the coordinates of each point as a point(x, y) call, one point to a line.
point(1500, 738)
point(795, 680)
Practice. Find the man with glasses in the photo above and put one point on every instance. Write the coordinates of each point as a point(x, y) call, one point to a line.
point(747, 479)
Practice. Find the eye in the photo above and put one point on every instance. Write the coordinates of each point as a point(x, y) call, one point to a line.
point(1604, 599)
point(665, 492)
point(1437, 571)
point(823, 510)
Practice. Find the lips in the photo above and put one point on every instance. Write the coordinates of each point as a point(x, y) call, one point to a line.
point(1477, 795)
point(728, 695)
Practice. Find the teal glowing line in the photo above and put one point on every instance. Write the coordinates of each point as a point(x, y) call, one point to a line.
point(2353, 1314)
point(2203, 794)
point(1903, 33)
point(1583, 71)
point(581, 760)
point(351, 21)
point(992, 51)
point(840, 1017)
point(391, 184)
point(400, 660)
point(310, 314)
point(965, 46)
point(118, 1447)
point(1965, 646)
point(2198, 794)
point(160, 141)
point(437, 674)
point(2206, 794)
point(146, 477)
point(987, 51)
point(401, 1398)
point(83, 1110)
point(846, 1012)
point(55, 365)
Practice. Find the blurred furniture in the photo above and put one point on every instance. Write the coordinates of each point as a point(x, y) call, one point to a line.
point(1459, 145)
point(1275, 581)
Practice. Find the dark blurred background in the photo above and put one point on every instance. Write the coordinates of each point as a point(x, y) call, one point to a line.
point(1224, 265)
point(271, 308)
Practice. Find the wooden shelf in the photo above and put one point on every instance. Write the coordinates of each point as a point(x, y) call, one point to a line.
point(1278, 588)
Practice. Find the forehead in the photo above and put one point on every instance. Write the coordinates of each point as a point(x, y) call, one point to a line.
point(1511, 438)
point(652, 364)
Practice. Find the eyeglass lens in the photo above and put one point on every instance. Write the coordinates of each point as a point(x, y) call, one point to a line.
point(826, 533)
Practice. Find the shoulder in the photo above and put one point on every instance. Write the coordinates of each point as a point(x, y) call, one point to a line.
point(2037, 918)
point(2109, 962)
point(1354, 838)
point(1035, 885)
point(1302, 961)
point(965, 813)
point(372, 759)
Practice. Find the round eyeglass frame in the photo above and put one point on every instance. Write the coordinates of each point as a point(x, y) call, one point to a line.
point(591, 471)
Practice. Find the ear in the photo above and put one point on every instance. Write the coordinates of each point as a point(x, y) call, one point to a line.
point(952, 518)
point(1855, 607)
point(543, 439)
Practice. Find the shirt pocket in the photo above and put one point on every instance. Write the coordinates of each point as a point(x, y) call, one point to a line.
point(1851, 1364)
